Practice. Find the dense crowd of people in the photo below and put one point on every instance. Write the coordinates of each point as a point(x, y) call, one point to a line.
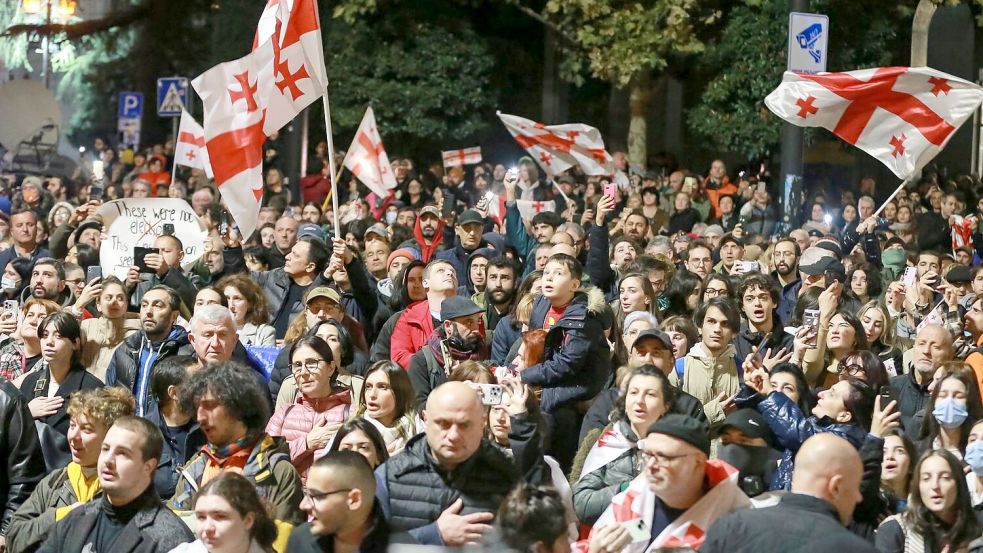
point(676, 362)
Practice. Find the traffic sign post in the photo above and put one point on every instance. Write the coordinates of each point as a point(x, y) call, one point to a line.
point(129, 115)
point(172, 96)
point(808, 37)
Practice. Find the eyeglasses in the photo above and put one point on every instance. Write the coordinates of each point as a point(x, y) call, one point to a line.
point(316, 496)
point(660, 459)
point(714, 292)
point(852, 369)
point(312, 366)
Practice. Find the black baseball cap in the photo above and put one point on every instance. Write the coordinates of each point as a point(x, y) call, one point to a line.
point(684, 428)
point(653, 333)
point(470, 216)
point(750, 423)
point(457, 306)
point(959, 274)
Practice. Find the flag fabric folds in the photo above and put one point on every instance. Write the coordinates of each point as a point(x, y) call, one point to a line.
point(556, 148)
point(367, 159)
point(464, 156)
point(903, 116)
point(189, 149)
point(248, 99)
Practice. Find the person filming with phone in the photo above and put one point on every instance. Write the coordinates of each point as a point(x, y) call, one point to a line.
point(161, 265)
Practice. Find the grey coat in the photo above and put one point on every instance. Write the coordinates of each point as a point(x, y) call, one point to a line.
point(592, 494)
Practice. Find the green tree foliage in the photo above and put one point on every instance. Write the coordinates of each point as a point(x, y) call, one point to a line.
point(748, 60)
point(620, 40)
point(427, 79)
point(428, 84)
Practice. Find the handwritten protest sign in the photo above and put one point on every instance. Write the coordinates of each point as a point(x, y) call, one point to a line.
point(138, 222)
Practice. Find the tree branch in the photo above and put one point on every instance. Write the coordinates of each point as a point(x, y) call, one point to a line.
point(83, 28)
point(569, 41)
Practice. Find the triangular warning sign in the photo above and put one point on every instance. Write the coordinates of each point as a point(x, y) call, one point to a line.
point(172, 100)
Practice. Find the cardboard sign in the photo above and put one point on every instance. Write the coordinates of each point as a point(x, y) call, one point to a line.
point(133, 222)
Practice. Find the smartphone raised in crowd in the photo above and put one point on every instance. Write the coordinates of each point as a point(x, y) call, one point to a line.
point(93, 272)
point(810, 318)
point(140, 255)
point(610, 190)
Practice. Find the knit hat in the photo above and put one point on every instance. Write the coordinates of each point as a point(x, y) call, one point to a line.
point(683, 428)
point(408, 253)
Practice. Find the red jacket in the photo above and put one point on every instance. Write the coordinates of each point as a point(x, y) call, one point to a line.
point(412, 330)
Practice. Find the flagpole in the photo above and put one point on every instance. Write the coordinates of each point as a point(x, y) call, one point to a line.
point(331, 170)
point(891, 197)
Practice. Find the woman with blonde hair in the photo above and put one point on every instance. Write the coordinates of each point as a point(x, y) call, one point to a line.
point(881, 332)
point(249, 308)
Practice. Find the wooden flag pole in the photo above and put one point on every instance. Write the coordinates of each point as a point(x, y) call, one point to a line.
point(333, 175)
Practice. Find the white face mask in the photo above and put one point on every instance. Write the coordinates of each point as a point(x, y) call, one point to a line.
point(8, 283)
point(391, 217)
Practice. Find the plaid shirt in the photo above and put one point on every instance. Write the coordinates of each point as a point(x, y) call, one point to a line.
point(11, 360)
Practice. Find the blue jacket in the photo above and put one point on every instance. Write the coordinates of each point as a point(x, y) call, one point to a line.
point(792, 428)
point(577, 358)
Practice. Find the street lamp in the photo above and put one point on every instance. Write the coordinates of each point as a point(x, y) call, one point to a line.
point(62, 11)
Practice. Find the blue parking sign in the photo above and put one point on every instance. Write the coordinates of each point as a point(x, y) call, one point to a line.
point(130, 105)
point(172, 96)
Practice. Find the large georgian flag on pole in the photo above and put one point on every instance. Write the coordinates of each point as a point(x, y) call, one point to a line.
point(556, 148)
point(367, 159)
point(902, 116)
point(190, 149)
point(247, 99)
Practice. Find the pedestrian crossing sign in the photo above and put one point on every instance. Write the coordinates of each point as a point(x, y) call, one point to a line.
point(172, 96)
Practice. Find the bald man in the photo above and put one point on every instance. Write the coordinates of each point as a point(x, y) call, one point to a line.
point(445, 486)
point(825, 491)
point(350, 519)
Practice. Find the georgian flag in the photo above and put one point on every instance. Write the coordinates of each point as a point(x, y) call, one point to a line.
point(610, 445)
point(687, 531)
point(247, 99)
point(527, 208)
point(367, 159)
point(903, 116)
point(190, 150)
point(557, 148)
point(464, 156)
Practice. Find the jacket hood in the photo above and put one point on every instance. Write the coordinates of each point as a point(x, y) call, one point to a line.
point(178, 335)
point(428, 250)
point(495, 241)
point(699, 351)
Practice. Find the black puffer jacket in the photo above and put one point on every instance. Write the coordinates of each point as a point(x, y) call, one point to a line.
point(577, 358)
point(122, 370)
point(413, 490)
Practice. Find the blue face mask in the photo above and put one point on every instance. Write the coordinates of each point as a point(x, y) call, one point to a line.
point(950, 413)
point(974, 457)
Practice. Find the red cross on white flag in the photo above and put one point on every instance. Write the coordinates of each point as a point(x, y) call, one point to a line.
point(190, 148)
point(902, 116)
point(367, 158)
point(464, 156)
point(247, 99)
point(527, 208)
point(556, 148)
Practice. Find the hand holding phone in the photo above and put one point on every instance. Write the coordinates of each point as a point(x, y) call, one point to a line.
point(610, 190)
